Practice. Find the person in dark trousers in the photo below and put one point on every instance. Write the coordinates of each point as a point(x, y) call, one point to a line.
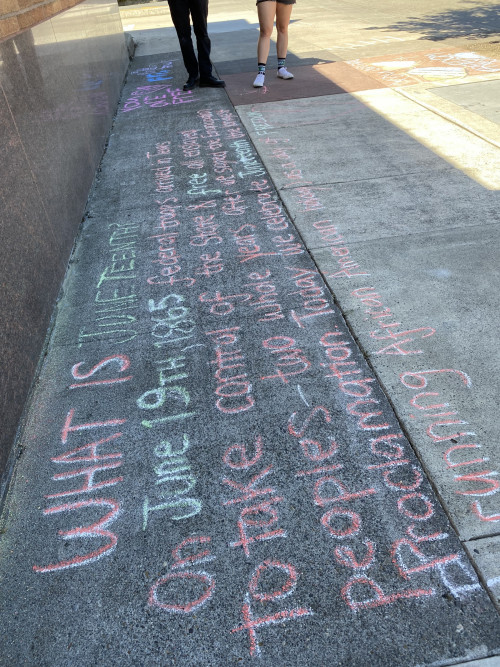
point(199, 69)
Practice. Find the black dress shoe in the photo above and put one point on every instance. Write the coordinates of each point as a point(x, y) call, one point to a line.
point(212, 82)
point(190, 83)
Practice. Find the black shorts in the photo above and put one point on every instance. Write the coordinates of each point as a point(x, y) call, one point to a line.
point(281, 2)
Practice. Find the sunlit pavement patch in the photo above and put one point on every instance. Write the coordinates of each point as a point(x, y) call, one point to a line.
point(436, 65)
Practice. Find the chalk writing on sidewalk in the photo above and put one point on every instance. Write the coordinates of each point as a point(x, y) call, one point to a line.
point(98, 465)
point(222, 449)
point(477, 478)
point(434, 65)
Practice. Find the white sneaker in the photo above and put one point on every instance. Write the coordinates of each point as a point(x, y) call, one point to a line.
point(259, 80)
point(283, 73)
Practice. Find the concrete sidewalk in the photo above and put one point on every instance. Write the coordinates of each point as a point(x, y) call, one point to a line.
point(273, 370)
point(394, 190)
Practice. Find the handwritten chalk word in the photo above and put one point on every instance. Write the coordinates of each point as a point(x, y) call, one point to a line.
point(312, 290)
point(172, 322)
point(157, 72)
point(260, 124)
point(167, 255)
point(190, 145)
point(358, 387)
point(245, 154)
point(208, 120)
point(400, 476)
point(377, 597)
point(377, 311)
point(226, 181)
point(221, 163)
point(288, 245)
point(169, 260)
point(123, 364)
point(253, 516)
point(446, 427)
point(280, 153)
point(175, 480)
point(168, 209)
point(329, 232)
point(276, 140)
point(247, 243)
point(156, 95)
point(211, 264)
point(223, 304)
point(168, 394)
point(230, 123)
point(89, 453)
point(407, 556)
point(261, 594)
point(271, 212)
point(268, 295)
point(328, 488)
point(409, 559)
point(163, 168)
point(308, 199)
point(96, 462)
point(116, 292)
point(234, 391)
point(197, 587)
point(197, 185)
point(340, 523)
point(234, 204)
point(206, 231)
point(288, 356)
point(289, 167)
point(399, 473)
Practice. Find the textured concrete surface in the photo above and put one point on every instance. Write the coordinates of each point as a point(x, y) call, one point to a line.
point(212, 454)
point(213, 475)
point(485, 553)
point(481, 98)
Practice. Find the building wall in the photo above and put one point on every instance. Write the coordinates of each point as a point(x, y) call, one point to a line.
point(17, 15)
point(60, 80)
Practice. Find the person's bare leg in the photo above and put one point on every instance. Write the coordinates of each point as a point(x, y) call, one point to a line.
point(266, 12)
point(283, 13)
